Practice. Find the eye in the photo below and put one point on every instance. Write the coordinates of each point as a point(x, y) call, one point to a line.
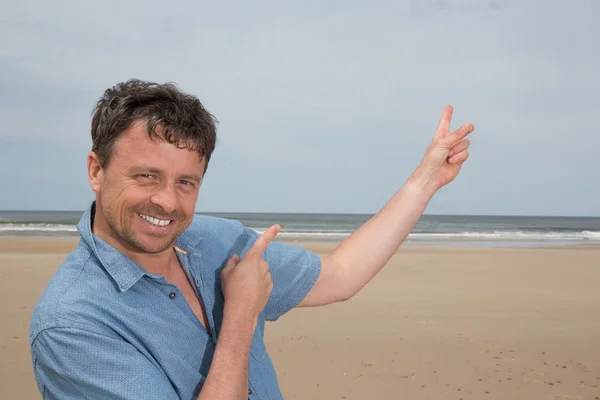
point(186, 183)
point(145, 176)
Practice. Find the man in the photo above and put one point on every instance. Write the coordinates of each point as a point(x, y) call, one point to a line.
point(157, 303)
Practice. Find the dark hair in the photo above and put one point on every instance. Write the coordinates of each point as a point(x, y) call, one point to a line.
point(182, 119)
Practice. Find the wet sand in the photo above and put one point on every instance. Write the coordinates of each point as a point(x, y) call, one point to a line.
point(451, 323)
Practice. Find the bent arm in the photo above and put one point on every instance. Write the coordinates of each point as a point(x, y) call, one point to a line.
point(228, 375)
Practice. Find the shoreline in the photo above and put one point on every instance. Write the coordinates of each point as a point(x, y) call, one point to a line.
point(65, 243)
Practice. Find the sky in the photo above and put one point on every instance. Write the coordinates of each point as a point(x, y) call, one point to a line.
point(323, 107)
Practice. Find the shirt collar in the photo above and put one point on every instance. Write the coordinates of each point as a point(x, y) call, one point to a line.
point(123, 270)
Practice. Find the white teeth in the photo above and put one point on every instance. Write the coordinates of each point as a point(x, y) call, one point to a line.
point(155, 221)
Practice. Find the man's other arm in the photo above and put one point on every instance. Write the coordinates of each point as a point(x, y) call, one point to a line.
point(363, 254)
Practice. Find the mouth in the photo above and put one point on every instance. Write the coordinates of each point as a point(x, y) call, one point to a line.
point(154, 221)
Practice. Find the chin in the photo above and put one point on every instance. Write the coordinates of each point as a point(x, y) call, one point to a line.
point(149, 243)
point(154, 246)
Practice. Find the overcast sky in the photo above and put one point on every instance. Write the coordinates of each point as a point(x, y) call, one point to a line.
point(323, 106)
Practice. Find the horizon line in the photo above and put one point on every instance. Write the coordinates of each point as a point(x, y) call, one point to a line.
point(334, 213)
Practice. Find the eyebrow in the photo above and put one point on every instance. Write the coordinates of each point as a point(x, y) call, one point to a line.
point(191, 178)
point(139, 169)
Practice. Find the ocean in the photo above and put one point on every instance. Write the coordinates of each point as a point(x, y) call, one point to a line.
point(456, 230)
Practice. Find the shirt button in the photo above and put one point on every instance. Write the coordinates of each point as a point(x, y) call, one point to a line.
point(249, 391)
point(172, 295)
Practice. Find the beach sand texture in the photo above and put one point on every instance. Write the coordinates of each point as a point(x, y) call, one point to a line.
point(436, 323)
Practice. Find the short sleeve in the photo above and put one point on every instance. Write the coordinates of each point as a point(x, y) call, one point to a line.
point(76, 363)
point(294, 271)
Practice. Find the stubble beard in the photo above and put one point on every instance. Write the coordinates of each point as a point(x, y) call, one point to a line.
point(153, 245)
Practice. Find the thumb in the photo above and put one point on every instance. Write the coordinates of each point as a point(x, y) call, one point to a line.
point(232, 262)
point(443, 127)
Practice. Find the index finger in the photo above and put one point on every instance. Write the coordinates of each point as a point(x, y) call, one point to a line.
point(264, 240)
point(444, 124)
point(458, 135)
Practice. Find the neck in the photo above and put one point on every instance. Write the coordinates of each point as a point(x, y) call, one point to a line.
point(154, 263)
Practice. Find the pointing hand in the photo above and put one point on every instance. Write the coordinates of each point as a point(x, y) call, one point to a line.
point(446, 153)
point(247, 283)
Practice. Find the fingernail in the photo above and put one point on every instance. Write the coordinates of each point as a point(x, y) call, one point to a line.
point(451, 153)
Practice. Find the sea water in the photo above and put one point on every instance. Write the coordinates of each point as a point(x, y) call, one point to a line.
point(456, 230)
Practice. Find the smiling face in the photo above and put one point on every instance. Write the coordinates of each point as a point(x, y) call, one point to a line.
point(146, 194)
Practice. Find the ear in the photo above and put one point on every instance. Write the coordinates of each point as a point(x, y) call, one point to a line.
point(95, 171)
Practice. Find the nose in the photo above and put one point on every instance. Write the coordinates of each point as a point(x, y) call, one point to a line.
point(165, 197)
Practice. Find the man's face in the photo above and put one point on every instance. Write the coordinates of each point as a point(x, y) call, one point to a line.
point(147, 192)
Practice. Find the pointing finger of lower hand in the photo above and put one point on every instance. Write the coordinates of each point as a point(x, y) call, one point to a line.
point(264, 240)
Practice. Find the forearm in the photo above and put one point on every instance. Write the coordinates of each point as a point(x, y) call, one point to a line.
point(228, 375)
point(362, 255)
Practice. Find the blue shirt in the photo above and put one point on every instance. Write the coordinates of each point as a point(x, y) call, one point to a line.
point(105, 328)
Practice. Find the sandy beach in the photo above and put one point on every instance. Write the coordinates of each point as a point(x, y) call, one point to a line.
point(451, 323)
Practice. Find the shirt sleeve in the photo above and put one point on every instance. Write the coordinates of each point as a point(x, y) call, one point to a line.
point(77, 363)
point(294, 271)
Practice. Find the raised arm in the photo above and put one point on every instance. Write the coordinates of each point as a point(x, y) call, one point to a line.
point(364, 253)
